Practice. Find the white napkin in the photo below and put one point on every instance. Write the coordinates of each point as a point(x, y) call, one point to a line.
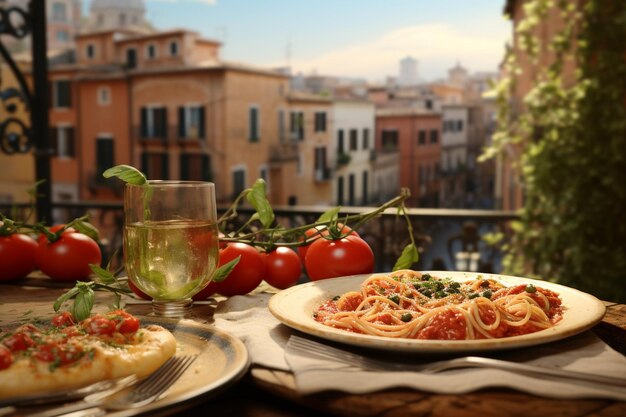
point(266, 339)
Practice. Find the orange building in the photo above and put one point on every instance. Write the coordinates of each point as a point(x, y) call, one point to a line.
point(416, 135)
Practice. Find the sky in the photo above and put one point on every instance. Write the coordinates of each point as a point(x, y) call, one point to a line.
point(348, 38)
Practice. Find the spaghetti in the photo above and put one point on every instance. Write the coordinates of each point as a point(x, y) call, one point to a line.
point(409, 304)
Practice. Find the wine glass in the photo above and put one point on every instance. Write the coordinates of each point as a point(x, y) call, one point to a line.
point(170, 241)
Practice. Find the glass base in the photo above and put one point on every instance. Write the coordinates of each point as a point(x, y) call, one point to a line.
point(178, 309)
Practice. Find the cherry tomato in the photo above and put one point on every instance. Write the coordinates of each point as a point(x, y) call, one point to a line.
point(6, 358)
point(61, 353)
point(282, 267)
point(99, 325)
point(334, 258)
point(63, 319)
point(125, 322)
point(17, 256)
point(137, 291)
point(68, 258)
point(206, 292)
point(322, 231)
point(246, 275)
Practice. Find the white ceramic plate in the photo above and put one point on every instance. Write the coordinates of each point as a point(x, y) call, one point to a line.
point(294, 307)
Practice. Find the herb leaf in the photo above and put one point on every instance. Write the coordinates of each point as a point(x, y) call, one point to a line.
point(106, 277)
point(258, 199)
point(64, 297)
point(86, 228)
point(222, 272)
point(127, 174)
point(83, 302)
point(408, 257)
point(329, 215)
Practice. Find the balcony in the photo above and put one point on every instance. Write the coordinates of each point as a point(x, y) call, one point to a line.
point(322, 174)
point(284, 152)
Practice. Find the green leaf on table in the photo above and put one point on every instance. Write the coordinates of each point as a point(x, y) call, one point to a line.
point(127, 174)
point(222, 272)
point(329, 215)
point(83, 302)
point(408, 257)
point(258, 198)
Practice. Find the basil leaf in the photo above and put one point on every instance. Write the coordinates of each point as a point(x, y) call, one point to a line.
point(258, 199)
point(83, 303)
point(329, 215)
point(86, 228)
point(408, 257)
point(106, 277)
point(222, 272)
point(127, 174)
point(64, 297)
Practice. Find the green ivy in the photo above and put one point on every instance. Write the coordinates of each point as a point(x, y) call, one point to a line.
point(571, 142)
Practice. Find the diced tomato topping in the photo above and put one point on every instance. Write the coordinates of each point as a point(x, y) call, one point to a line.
point(99, 325)
point(6, 358)
point(72, 331)
point(63, 319)
point(350, 302)
point(447, 325)
point(18, 342)
point(125, 322)
point(384, 318)
point(59, 353)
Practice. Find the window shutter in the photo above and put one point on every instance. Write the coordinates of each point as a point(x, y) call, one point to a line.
point(54, 135)
point(201, 123)
point(206, 168)
point(181, 123)
point(163, 126)
point(165, 166)
point(144, 122)
point(184, 166)
point(145, 163)
point(71, 152)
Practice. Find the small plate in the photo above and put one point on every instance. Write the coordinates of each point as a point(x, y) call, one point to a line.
point(295, 306)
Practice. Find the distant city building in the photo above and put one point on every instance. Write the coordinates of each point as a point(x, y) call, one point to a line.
point(458, 76)
point(408, 72)
point(116, 14)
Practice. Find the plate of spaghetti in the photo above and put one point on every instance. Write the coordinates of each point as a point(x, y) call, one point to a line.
point(437, 311)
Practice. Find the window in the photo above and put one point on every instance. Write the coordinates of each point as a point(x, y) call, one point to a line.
point(434, 136)
point(340, 191)
point(320, 121)
point(321, 172)
point(389, 140)
point(195, 167)
point(365, 185)
point(62, 36)
point(253, 124)
point(366, 139)
point(191, 122)
point(151, 51)
point(354, 140)
point(173, 48)
point(281, 125)
point(351, 200)
point(421, 137)
point(62, 141)
point(296, 125)
point(239, 181)
point(263, 174)
point(340, 145)
point(131, 57)
point(90, 51)
point(104, 96)
point(155, 165)
point(153, 122)
point(62, 97)
point(105, 156)
point(444, 128)
point(122, 19)
point(59, 12)
point(459, 125)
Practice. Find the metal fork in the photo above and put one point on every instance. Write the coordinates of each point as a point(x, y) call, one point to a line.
point(322, 351)
point(145, 392)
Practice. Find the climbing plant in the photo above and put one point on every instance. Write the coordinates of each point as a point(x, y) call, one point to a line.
point(570, 137)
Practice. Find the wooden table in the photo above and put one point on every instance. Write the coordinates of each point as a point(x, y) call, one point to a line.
point(268, 393)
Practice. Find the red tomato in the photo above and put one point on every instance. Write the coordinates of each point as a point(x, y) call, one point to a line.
point(282, 267)
point(6, 358)
point(246, 275)
point(18, 341)
point(137, 291)
point(334, 258)
point(68, 258)
point(99, 325)
point(63, 319)
point(125, 322)
point(206, 292)
point(222, 243)
point(60, 353)
point(17, 256)
point(322, 231)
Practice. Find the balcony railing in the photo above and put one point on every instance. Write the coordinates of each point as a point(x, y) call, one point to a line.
point(284, 152)
point(438, 232)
